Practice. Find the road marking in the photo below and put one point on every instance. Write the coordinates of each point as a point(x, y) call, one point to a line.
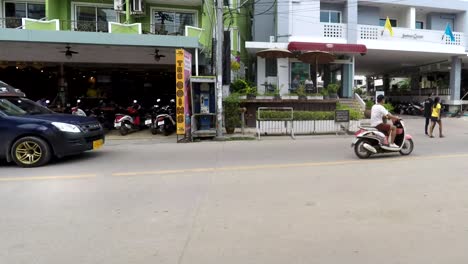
point(290, 165)
point(38, 178)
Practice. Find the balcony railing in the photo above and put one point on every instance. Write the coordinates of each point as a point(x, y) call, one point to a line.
point(334, 30)
point(421, 92)
point(11, 22)
point(102, 26)
point(406, 34)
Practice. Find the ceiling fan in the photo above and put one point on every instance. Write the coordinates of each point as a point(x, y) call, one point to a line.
point(156, 55)
point(69, 53)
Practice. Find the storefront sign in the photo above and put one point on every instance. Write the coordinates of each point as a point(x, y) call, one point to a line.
point(187, 76)
point(414, 36)
point(342, 116)
point(183, 74)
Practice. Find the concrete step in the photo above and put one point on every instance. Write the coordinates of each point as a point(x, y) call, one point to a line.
point(351, 103)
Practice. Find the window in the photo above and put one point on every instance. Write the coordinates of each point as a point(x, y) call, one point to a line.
point(299, 73)
point(231, 3)
point(235, 39)
point(328, 16)
point(393, 22)
point(15, 11)
point(419, 25)
point(173, 22)
point(271, 67)
point(93, 18)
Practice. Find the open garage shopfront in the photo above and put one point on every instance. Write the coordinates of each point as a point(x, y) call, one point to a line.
point(118, 84)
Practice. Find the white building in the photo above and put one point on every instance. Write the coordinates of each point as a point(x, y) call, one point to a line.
point(354, 32)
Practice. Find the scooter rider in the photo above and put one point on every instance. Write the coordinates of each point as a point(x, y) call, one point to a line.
point(378, 112)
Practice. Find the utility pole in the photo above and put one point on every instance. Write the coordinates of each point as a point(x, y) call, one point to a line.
point(219, 67)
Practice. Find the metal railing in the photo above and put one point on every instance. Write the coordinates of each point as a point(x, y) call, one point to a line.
point(361, 102)
point(367, 32)
point(100, 26)
point(275, 126)
point(11, 22)
point(84, 26)
point(425, 91)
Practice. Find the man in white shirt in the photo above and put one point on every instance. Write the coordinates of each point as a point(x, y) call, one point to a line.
point(378, 112)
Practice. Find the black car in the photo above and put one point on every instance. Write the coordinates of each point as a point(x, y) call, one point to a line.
point(30, 134)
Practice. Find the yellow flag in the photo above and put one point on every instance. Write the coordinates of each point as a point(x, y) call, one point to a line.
point(388, 26)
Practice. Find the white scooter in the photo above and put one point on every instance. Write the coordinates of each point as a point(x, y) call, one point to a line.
point(129, 122)
point(370, 141)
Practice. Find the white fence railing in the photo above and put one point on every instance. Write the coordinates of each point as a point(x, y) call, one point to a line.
point(305, 127)
point(421, 36)
point(334, 30)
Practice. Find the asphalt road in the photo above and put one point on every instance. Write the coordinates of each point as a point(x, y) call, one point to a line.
point(277, 200)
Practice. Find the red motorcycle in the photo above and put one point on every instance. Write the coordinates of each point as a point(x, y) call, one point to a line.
point(129, 122)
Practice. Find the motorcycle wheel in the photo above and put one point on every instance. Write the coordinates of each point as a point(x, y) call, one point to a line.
point(123, 130)
point(154, 131)
point(360, 151)
point(407, 148)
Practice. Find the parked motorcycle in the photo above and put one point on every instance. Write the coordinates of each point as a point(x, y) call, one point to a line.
point(165, 119)
point(370, 141)
point(77, 110)
point(129, 122)
point(151, 118)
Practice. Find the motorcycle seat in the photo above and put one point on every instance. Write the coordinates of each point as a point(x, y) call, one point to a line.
point(369, 128)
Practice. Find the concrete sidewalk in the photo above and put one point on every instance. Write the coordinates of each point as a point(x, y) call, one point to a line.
point(415, 125)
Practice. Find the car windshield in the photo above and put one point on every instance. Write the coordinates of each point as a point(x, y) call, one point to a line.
point(21, 106)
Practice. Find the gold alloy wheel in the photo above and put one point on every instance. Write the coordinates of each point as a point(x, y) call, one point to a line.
point(28, 152)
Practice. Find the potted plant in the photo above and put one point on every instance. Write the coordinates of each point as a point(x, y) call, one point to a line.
point(232, 119)
point(301, 93)
point(324, 93)
point(276, 94)
point(251, 92)
point(332, 89)
point(367, 112)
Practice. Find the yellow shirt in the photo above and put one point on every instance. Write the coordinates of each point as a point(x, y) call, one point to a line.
point(436, 111)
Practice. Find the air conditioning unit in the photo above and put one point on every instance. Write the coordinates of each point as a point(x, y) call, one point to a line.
point(119, 5)
point(138, 6)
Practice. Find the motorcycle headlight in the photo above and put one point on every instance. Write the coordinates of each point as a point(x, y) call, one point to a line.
point(64, 127)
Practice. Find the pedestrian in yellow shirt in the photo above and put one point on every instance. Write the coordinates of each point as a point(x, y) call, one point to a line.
point(436, 117)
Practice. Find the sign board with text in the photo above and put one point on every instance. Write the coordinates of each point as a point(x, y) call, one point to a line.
point(342, 116)
point(183, 74)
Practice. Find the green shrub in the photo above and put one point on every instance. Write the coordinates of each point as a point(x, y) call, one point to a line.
point(324, 92)
point(369, 104)
point(389, 107)
point(306, 115)
point(239, 86)
point(332, 88)
point(353, 114)
point(359, 91)
point(231, 106)
point(250, 90)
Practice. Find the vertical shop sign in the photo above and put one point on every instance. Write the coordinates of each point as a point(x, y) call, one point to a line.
point(180, 92)
point(187, 104)
point(183, 74)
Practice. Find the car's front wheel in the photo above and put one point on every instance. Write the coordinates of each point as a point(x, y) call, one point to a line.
point(30, 152)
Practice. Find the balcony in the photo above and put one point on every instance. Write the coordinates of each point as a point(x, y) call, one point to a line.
point(334, 30)
point(421, 40)
point(103, 26)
